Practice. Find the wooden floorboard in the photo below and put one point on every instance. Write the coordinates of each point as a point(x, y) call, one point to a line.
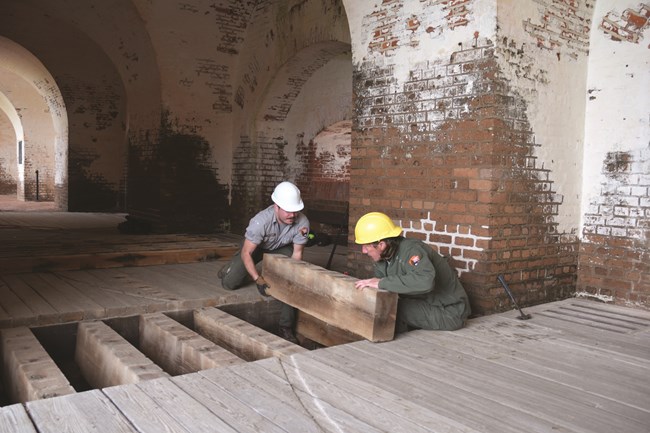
point(498, 374)
point(281, 411)
point(85, 412)
point(241, 415)
point(577, 366)
point(371, 405)
point(14, 419)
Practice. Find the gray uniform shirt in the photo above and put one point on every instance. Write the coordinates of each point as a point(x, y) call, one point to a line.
point(264, 230)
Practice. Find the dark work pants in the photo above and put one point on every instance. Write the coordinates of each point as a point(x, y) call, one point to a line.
point(237, 275)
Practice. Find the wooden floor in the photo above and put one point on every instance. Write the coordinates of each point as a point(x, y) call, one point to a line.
point(575, 366)
point(60, 267)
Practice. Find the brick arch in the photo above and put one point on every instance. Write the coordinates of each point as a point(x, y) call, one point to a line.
point(308, 93)
point(110, 83)
point(31, 90)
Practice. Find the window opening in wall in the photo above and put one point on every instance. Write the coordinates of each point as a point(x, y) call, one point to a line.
point(20, 152)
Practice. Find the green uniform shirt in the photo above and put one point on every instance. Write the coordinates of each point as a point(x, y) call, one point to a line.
point(417, 271)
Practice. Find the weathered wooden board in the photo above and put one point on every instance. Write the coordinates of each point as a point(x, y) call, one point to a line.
point(141, 410)
point(231, 409)
point(105, 358)
point(15, 308)
point(14, 419)
point(265, 400)
point(85, 412)
point(160, 405)
point(570, 409)
point(44, 312)
point(322, 332)
point(109, 251)
point(28, 372)
point(434, 394)
point(371, 405)
point(331, 297)
point(326, 399)
point(618, 385)
point(243, 339)
point(178, 349)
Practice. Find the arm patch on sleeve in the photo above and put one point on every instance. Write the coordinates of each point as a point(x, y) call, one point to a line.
point(414, 260)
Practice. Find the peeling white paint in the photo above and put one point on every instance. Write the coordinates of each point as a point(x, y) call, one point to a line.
point(553, 84)
point(599, 297)
point(617, 115)
point(453, 231)
point(433, 39)
point(335, 142)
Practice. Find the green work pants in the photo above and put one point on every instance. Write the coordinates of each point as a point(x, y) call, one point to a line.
point(236, 276)
point(422, 314)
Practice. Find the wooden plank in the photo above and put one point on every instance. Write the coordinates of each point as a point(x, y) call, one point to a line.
point(620, 310)
point(322, 332)
point(105, 358)
point(370, 403)
point(29, 373)
point(160, 405)
point(138, 256)
point(178, 349)
point(115, 304)
point(90, 309)
point(66, 308)
point(122, 282)
point(326, 416)
point(43, 310)
point(620, 314)
point(86, 412)
point(559, 364)
point(16, 309)
point(231, 410)
point(331, 297)
point(168, 282)
point(14, 419)
point(183, 408)
point(329, 397)
point(239, 337)
point(142, 411)
point(281, 412)
point(434, 393)
point(584, 333)
point(568, 407)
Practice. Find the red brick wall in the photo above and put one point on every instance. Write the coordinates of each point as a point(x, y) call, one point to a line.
point(614, 257)
point(450, 156)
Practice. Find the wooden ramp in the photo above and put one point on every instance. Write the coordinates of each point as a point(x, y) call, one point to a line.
point(576, 366)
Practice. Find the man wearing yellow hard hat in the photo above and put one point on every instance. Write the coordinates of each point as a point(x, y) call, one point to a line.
point(430, 293)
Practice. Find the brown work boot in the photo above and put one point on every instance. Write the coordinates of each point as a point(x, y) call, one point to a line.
point(287, 333)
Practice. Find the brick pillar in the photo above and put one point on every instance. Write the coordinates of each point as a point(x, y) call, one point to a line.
point(449, 156)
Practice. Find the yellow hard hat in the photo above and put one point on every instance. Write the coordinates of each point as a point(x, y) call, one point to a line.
point(373, 227)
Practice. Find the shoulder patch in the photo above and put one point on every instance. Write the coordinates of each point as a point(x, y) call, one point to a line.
point(414, 260)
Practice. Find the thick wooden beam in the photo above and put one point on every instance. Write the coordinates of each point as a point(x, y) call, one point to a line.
point(105, 358)
point(331, 297)
point(323, 333)
point(241, 338)
point(178, 349)
point(29, 373)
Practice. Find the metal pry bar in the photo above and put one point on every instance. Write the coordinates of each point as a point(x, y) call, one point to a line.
point(521, 316)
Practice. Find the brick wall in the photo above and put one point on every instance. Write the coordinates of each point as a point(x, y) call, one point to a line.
point(449, 155)
point(614, 263)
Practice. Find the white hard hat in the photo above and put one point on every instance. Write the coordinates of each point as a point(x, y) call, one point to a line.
point(287, 196)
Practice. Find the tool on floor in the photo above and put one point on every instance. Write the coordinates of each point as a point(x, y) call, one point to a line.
point(521, 316)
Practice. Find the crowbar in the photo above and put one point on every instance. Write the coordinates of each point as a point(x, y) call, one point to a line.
point(521, 316)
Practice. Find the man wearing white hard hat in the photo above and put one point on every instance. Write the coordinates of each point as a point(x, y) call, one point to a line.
point(279, 229)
